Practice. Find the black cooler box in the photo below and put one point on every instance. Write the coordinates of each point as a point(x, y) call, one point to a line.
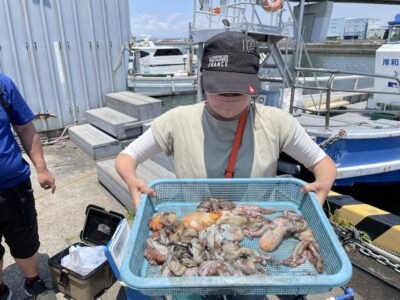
point(99, 228)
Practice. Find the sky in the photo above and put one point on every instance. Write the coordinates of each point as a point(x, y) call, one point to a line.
point(170, 18)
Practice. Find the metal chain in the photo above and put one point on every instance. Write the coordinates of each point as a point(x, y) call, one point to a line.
point(379, 258)
point(341, 134)
point(351, 236)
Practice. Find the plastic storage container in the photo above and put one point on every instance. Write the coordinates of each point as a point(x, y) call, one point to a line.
point(115, 251)
point(99, 227)
point(182, 197)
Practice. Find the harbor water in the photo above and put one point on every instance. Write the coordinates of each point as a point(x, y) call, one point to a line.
point(385, 198)
point(364, 63)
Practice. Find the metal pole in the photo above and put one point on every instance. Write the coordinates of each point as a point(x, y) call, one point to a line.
point(137, 66)
point(328, 100)
point(194, 14)
point(297, 53)
point(190, 67)
point(199, 84)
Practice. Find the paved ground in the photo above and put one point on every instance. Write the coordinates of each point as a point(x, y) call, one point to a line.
point(61, 217)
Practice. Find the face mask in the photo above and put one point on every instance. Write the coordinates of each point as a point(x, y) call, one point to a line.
point(228, 107)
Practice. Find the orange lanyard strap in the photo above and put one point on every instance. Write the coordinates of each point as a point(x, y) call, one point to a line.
point(236, 144)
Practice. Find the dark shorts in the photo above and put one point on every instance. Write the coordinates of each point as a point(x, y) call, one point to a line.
point(18, 222)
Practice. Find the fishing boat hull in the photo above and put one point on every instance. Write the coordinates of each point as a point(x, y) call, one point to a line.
point(373, 159)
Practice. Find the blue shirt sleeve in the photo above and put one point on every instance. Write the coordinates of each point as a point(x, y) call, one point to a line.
point(21, 114)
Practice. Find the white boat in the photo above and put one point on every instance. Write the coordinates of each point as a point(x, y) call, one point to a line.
point(364, 141)
point(161, 70)
point(364, 144)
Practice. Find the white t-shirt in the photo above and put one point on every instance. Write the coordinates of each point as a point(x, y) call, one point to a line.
point(201, 144)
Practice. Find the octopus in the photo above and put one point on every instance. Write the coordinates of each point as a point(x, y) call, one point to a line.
point(306, 249)
point(291, 224)
point(246, 260)
point(207, 242)
point(197, 250)
point(188, 234)
point(155, 252)
point(162, 219)
point(213, 237)
point(199, 220)
point(283, 226)
point(252, 211)
point(213, 204)
point(175, 266)
point(215, 268)
point(179, 259)
point(174, 231)
point(229, 218)
point(257, 227)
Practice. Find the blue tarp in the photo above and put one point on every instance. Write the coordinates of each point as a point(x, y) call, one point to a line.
point(396, 20)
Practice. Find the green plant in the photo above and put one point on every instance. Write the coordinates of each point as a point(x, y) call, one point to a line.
point(130, 216)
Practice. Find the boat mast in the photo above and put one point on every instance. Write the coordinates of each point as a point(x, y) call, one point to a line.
point(297, 54)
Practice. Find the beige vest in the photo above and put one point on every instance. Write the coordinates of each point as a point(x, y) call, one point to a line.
point(201, 145)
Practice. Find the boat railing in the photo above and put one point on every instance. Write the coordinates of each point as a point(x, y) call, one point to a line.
point(329, 88)
point(238, 8)
point(237, 13)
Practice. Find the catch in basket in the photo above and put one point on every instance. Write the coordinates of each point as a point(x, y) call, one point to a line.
point(292, 246)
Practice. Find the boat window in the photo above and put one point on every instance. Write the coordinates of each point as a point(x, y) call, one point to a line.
point(144, 54)
point(168, 52)
point(395, 34)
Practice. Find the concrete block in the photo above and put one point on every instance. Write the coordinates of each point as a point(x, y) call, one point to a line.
point(115, 123)
point(138, 106)
point(382, 227)
point(94, 142)
point(125, 143)
point(108, 176)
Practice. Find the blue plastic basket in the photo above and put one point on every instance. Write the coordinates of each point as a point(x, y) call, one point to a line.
point(182, 197)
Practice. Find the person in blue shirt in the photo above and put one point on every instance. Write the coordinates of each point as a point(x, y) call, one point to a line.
point(18, 222)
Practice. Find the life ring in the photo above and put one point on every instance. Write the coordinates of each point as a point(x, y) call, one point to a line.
point(217, 10)
point(271, 6)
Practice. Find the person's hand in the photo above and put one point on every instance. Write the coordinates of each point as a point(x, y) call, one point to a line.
point(136, 188)
point(321, 190)
point(46, 180)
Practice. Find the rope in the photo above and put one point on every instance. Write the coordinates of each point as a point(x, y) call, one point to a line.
point(66, 183)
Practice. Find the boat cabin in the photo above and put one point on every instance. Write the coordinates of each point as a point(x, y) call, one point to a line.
point(158, 60)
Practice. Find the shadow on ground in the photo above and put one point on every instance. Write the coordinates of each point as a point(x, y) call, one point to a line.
point(15, 279)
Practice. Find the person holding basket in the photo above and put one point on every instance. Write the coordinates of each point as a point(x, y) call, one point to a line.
point(229, 134)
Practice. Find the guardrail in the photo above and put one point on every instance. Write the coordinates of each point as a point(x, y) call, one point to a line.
point(329, 89)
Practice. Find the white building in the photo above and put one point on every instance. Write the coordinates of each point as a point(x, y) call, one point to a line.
point(376, 34)
point(376, 29)
point(353, 29)
point(336, 29)
point(374, 24)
